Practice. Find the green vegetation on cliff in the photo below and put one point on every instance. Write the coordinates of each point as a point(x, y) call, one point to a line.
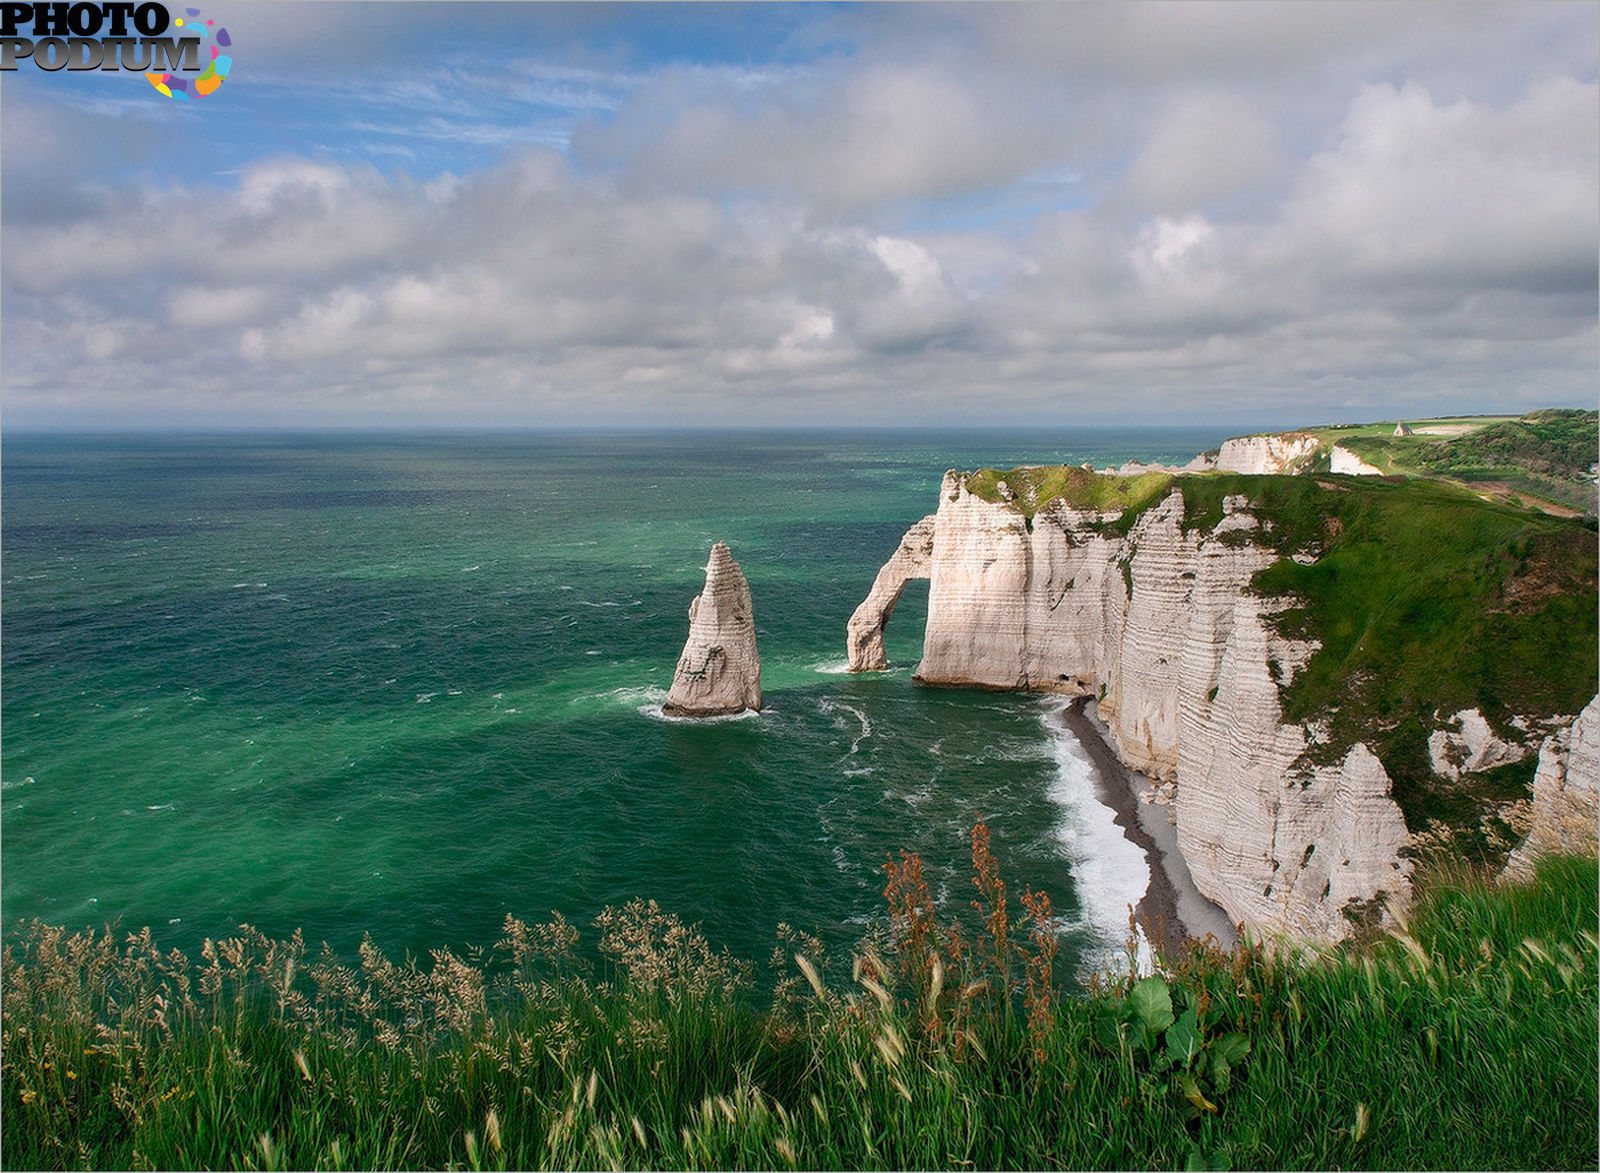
point(1032, 487)
point(1546, 455)
point(1465, 1041)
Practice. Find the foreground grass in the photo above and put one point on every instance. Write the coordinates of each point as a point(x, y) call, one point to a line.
point(1466, 1041)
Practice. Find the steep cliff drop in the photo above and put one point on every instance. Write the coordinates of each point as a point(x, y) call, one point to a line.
point(1157, 619)
point(1566, 795)
point(719, 672)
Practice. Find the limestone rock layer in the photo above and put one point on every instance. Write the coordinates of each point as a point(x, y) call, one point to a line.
point(1285, 453)
point(1566, 794)
point(719, 672)
point(1160, 625)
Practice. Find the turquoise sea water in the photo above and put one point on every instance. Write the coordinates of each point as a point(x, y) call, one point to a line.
point(407, 684)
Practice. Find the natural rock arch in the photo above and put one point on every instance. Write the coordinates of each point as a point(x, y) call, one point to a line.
point(864, 634)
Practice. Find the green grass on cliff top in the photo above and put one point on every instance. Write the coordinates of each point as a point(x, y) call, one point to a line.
point(1032, 487)
point(1424, 600)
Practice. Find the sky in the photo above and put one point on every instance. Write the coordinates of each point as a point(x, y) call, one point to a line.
point(641, 215)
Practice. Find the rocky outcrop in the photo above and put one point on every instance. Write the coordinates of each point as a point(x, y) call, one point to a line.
point(1343, 460)
point(1565, 790)
point(1158, 622)
point(1467, 745)
point(1281, 454)
point(719, 672)
point(865, 631)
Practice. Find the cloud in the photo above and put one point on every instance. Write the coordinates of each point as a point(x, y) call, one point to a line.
point(1203, 148)
point(843, 139)
point(1460, 194)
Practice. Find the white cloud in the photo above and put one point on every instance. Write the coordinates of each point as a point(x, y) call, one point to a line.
point(1202, 148)
point(1417, 191)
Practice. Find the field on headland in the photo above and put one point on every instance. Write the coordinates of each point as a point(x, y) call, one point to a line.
point(1542, 460)
point(1464, 1040)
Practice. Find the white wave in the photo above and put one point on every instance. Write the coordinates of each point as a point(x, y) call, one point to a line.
point(426, 698)
point(28, 781)
point(653, 711)
point(468, 569)
point(166, 806)
point(631, 695)
point(832, 667)
point(1110, 870)
point(586, 603)
point(830, 706)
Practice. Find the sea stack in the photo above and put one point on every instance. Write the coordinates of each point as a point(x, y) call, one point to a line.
point(719, 672)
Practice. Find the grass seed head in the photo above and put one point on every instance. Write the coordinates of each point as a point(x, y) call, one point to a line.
point(811, 975)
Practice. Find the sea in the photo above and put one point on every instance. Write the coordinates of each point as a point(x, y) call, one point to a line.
point(404, 685)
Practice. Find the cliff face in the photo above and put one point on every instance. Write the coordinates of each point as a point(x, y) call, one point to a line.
point(1159, 624)
point(1343, 460)
point(719, 672)
point(1566, 794)
point(1284, 453)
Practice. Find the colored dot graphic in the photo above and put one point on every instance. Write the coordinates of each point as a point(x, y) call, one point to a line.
point(216, 70)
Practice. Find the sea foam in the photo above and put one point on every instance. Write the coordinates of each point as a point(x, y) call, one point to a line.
point(1112, 872)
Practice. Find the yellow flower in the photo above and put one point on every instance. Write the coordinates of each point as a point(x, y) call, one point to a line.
point(72, 1075)
point(29, 1095)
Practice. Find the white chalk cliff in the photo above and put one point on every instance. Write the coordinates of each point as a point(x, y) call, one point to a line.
point(719, 672)
point(1284, 454)
point(1343, 460)
point(1159, 624)
point(1468, 745)
point(1566, 794)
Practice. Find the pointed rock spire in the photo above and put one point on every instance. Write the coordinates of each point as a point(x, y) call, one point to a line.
point(719, 671)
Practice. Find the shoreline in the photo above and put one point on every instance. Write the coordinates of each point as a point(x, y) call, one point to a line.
point(1172, 910)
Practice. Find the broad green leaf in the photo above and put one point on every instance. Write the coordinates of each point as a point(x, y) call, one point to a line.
point(1138, 1038)
point(1151, 1003)
point(1231, 1048)
point(1183, 1039)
